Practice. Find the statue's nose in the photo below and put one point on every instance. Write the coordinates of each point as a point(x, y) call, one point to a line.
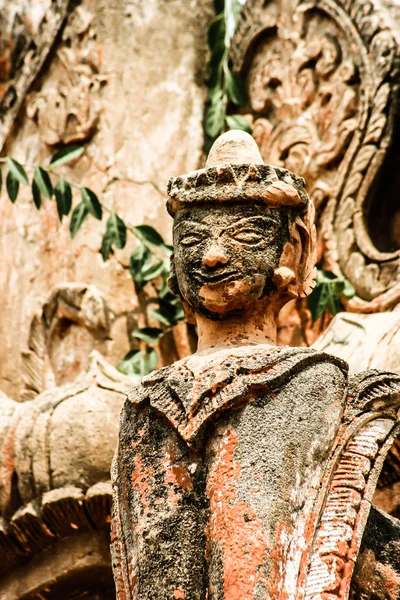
point(215, 256)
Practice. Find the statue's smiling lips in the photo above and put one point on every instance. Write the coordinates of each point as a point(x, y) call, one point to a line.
point(220, 276)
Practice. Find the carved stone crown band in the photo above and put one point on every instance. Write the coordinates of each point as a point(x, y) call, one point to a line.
point(221, 182)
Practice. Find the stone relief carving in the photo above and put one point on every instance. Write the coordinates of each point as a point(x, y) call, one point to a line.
point(323, 80)
point(26, 38)
point(55, 455)
point(73, 321)
point(67, 109)
point(252, 465)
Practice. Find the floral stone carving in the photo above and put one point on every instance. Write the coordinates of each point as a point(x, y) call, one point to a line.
point(246, 470)
point(323, 81)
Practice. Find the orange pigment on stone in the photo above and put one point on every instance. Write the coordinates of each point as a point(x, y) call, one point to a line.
point(234, 527)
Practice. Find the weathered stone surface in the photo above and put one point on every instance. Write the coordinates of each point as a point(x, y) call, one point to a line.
point(127, 80)
point(77, 567)
point(377, 573)
point(55, 456)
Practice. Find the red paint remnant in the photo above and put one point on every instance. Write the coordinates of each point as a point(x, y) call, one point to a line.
point(140, 475)
point(176, 473)
point(179, 593)
point(140, 479)
point(234, 528)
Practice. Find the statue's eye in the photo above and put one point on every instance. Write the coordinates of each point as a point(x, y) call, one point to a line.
point(248, 237)
point(191, 239)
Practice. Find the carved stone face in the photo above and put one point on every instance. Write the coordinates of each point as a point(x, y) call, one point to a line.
point(225, 256)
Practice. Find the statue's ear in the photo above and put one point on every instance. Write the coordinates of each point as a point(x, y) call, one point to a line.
point(299, 254)
point(172, 279)
point(174, 287)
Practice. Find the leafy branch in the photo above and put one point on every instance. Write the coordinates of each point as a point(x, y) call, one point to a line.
point(225, 88)
point(149, 262)
point(328, 293)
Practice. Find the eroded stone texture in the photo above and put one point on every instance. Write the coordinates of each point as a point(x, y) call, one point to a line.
point(126, 79)
point(254, 466)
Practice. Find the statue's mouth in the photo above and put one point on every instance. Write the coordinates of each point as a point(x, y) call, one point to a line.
point(216, 277)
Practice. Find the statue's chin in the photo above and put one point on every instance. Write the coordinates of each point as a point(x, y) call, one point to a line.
point(231, 296)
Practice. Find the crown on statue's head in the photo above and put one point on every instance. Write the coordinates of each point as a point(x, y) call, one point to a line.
point(235, 173)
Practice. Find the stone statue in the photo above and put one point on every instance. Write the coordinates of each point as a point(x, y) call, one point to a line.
point(246, 470)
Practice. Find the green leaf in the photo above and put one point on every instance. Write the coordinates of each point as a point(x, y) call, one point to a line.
point(216, 31)
point(214, 67)
point(148, 235)
point(79, 214)
point(219, 6)
point(149, 361)
point(148, 334)
point(92, 203)
point(138, 363)
point(215, 117)
point(116, 230)
point(106, 247)
point(37, 198)
point(163, 316)
point(238, 122)
point(63, 194)
point(43, 182)
point(12, 185)
point(66, 154)
point(139, 260)
point(130, 365)
point(327, 294)
point(17, 170)
point(168, 314)
point(236, 88)
point(153, 270)
point(348, 292)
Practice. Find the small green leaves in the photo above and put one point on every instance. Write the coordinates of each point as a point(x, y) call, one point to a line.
point(43, 182)
point(216, 31)
point(150, 335)
point(106, 247)
point(63, 194)
point(79, 214)
point(327, 294)
point(138, 363)
point(37, 198)
point(65, 155)
point(215, 116)
point(225, 87)
point(238, 122)
point(235, 88)
point(12, 185)
point(148, 235)
point(17, 170)
point(91, 201)
point(115, 234)
point(116, 230)
point(140, 259)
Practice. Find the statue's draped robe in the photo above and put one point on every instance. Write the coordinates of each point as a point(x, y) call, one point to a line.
point(219, 462)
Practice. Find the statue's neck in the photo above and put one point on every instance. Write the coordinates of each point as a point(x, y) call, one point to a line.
point(250, 328)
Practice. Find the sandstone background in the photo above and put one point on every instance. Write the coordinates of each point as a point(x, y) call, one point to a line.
point(126, 79)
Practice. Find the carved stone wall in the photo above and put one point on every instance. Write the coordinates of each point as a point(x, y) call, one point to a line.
point(126, 79)
point(323, 82)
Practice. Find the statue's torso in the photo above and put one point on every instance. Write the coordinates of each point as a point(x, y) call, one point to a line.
point(233, 445)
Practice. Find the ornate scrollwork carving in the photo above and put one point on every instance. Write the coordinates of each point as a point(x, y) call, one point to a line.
point(322, 79)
